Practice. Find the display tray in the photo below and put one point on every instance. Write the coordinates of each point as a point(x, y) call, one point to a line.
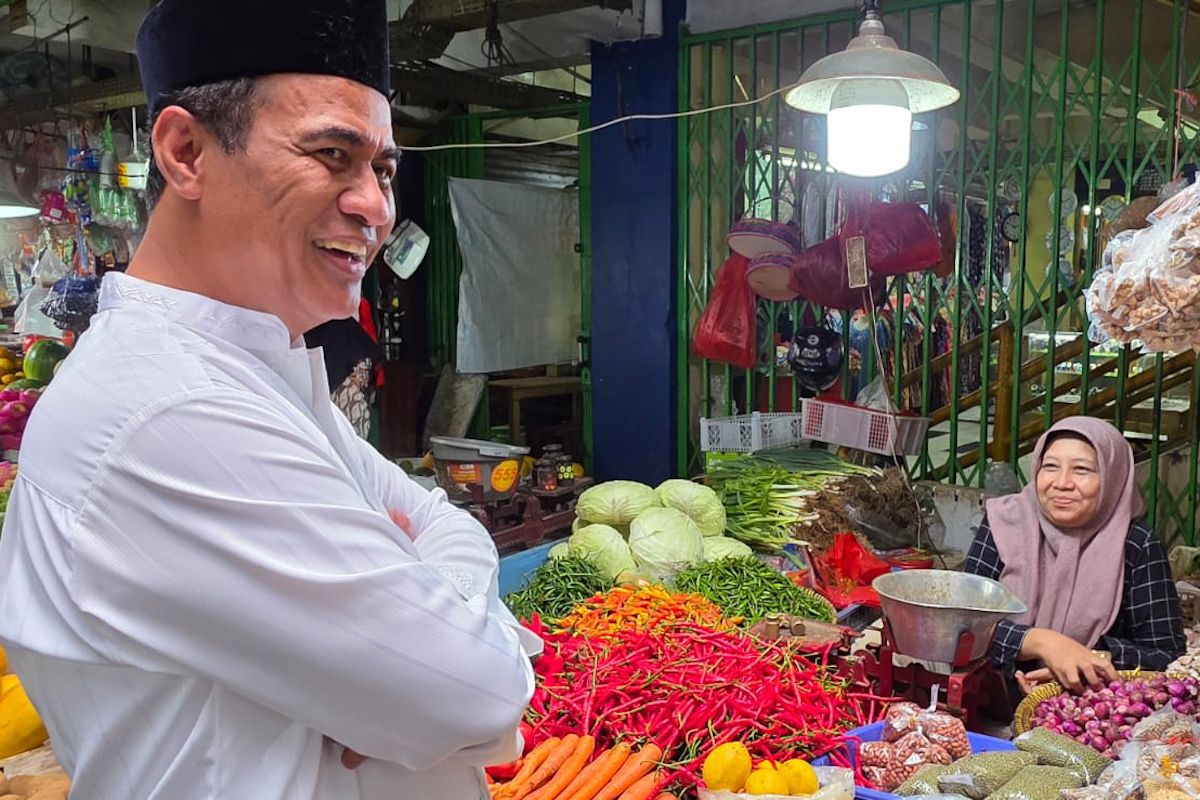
point(873, 733)
point(1023, 718)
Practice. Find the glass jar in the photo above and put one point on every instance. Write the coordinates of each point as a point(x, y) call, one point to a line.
point(566, 470)
point(546, 473)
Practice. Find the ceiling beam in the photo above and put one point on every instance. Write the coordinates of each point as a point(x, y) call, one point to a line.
point(92, 98)
point(434, 80)
point(468, 15)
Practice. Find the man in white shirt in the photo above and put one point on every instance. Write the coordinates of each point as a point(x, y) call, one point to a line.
point(201, 585)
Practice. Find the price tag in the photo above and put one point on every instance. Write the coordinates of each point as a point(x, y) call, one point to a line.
point(856, 261)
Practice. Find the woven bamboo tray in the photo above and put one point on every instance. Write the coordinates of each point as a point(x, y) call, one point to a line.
point(1023, 718)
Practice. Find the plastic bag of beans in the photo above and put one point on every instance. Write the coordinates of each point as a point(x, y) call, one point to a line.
point(901, 719)
point(947, 731)
point(925, 782)
point(1037, 782)
point(979, 775)
point(1057, 750)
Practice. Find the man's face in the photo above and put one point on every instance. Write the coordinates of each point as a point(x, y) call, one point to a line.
point(308, 204)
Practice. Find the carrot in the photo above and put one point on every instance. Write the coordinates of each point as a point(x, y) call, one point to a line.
point(532, 761)
point(643, 788)
point(549, 769)
point(598, 773)
point(638, 765)
point(570, 768)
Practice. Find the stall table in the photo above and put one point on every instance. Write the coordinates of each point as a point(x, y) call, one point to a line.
point(520, 389)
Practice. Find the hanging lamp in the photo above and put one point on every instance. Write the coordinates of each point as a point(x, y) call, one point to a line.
point(869, 93)
point(12, 206)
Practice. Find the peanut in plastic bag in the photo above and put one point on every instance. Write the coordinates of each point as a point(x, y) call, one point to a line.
point(900, 720)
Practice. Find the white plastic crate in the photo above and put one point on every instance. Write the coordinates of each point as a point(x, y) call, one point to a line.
point(748, 433)
point(863, 428)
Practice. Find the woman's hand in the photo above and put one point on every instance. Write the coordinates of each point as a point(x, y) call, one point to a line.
point(1071, 664)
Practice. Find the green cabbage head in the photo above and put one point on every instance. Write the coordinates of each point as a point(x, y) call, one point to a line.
point(664, 542)
point(604, 547)
point(718, 547)
point(699, 502)
point(615, 502)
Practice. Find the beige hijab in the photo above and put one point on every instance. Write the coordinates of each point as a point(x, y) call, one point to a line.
point(1072, 582)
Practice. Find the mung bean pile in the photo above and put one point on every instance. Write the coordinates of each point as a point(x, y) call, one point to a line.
point(747, 588)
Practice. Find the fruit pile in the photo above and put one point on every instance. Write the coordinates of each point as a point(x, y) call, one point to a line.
point(730, 768)
point(11, 368)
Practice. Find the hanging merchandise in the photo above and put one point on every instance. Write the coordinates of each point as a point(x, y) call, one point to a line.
point(74, 298)
point(726, 330)
point(769, 275)
point(900, 237)
point(132, 172)
point(756, 237)
point(816, 357)
point(819, 275)
point(29, 317)
point(1148, 287)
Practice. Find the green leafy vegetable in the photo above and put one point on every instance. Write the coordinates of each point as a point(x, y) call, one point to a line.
point(699, 502)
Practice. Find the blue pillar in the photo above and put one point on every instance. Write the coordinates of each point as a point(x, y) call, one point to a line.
point(634, 228)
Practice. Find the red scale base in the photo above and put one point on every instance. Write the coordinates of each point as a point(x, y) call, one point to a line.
point(526, 519)
point(971, 688)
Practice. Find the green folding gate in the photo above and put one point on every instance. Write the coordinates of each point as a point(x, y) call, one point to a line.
point(445, 261)
point(1069, 111)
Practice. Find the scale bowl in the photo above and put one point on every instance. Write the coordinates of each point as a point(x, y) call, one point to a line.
point(929, 610)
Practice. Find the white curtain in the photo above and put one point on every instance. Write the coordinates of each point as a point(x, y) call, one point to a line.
point(519, 295)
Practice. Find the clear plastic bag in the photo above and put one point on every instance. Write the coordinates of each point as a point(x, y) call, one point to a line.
point(1056, 750)
point(1148, 286)
point(979, 775)
point(924, 783)
point(948, 732)
point(1037, 782)
point(901, 719)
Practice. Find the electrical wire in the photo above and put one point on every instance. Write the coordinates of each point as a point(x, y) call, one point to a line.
point(695, 112)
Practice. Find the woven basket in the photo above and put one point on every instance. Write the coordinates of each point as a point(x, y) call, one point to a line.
point(1023, 718)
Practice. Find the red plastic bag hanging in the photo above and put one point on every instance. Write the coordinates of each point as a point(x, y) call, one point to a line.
point(900, 237)
point(726, 330)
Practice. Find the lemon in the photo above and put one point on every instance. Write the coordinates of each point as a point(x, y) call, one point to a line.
point(766, 780)
point(727, 767)
point(801, 777)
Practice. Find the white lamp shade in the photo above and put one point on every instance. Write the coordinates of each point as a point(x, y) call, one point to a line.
point(869, 128)
point(13, 207)
point(872, 54)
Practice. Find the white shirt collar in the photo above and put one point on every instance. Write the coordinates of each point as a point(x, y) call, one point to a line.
point(253, 330)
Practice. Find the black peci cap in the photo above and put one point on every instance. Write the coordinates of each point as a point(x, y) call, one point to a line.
point(184, 43)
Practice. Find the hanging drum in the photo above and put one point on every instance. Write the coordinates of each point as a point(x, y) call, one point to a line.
point(769, 276)
point(756, 237)
point(816, 358)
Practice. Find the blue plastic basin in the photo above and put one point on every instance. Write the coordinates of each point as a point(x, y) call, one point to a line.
point(873, 733)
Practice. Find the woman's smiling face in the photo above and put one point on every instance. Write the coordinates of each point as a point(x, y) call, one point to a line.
point(1068, 483)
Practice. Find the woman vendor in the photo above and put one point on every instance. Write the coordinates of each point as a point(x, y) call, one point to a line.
point(1071, 546)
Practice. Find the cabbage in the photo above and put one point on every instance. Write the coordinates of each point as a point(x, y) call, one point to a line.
point(615, 502)
point(699, 502)
point(604, 547)
point(560, 550)
point(718, 547)
point(579, 524)
point(665, 541)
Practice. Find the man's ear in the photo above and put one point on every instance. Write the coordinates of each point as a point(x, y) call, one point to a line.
point(179, 142)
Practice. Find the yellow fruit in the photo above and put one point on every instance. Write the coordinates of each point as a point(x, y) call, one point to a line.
point(21, 728)
point(766, 781)
point(801, 777)
point(3, 662)
point(727, 767)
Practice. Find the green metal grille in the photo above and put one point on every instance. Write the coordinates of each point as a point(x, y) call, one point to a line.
point(1063, 104)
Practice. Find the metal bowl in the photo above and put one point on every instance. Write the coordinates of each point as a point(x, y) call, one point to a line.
point(929, 610)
